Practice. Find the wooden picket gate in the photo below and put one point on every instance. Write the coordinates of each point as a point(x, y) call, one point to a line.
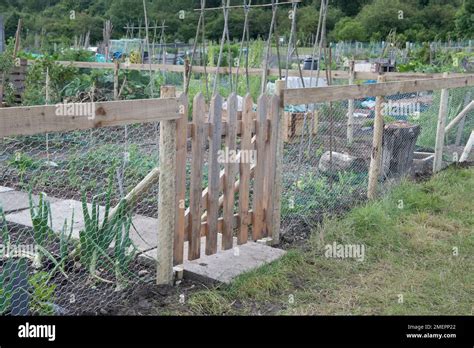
point(241, 198)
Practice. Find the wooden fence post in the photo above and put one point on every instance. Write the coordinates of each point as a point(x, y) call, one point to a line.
point(280, 86)
point(167, 202)
point(376, 156)
point(116, 79)
point(17, 38)
point(442, 117)
point(186, 75)
point(181, 148)
point(259, 202)
point(350, 109)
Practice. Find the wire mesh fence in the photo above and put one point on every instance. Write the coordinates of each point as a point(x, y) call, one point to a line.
point(325, 174)
point(69, 246)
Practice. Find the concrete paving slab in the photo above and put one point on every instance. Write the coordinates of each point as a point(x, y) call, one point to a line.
point(224, 266)
point(61, 210)
point(144, 232)
point(13, 201)
point(5, 189)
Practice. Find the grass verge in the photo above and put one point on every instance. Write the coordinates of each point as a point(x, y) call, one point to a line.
point(419, 260)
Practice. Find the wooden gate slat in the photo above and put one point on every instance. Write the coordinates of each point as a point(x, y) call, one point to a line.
point(181, 151)
point(230, 173)
point(215, 118)
point(195, 206)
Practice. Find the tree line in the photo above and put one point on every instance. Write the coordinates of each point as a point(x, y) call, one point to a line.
point(59, 21)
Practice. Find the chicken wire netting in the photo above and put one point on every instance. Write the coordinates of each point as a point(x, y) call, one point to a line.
point(68, 244)
point(56, 258)
point(324, 174)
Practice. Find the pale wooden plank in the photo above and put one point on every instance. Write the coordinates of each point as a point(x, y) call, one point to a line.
point(215, 117)
point(460, 131)
point(208, 125)
point(276, 220)
point(350, 108)
point(166, 203)
point(467, 150)
point(335, 74)
point(440, 131)
point(459, 117)
point(259, 199)
point(124, 66)
point(181, 151)
point(139, 191)
point(335, 93)
point(244, 187)
point(376, 156)
point(195, 205)
point(220, 223)
point(230, 171)
point(42, 119)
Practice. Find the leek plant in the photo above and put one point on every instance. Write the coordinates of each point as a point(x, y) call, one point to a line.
point(42, 224)
point(13, 284)
point(97, 237)
point(4, 229)
point(64, 241)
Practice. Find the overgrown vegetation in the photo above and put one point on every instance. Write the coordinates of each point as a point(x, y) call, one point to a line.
point(428, 119)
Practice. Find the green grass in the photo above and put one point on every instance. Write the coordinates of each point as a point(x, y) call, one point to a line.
point(409, 251)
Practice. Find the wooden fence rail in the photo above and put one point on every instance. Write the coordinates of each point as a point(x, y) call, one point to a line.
point(335, 74)
point(81, 116)
point(337, 93)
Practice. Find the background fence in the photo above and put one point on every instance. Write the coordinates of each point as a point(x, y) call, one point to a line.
point(327, 158)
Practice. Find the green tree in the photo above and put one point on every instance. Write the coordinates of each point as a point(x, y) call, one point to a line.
point(381, 16)
point(348, 29)
point(465, 20)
